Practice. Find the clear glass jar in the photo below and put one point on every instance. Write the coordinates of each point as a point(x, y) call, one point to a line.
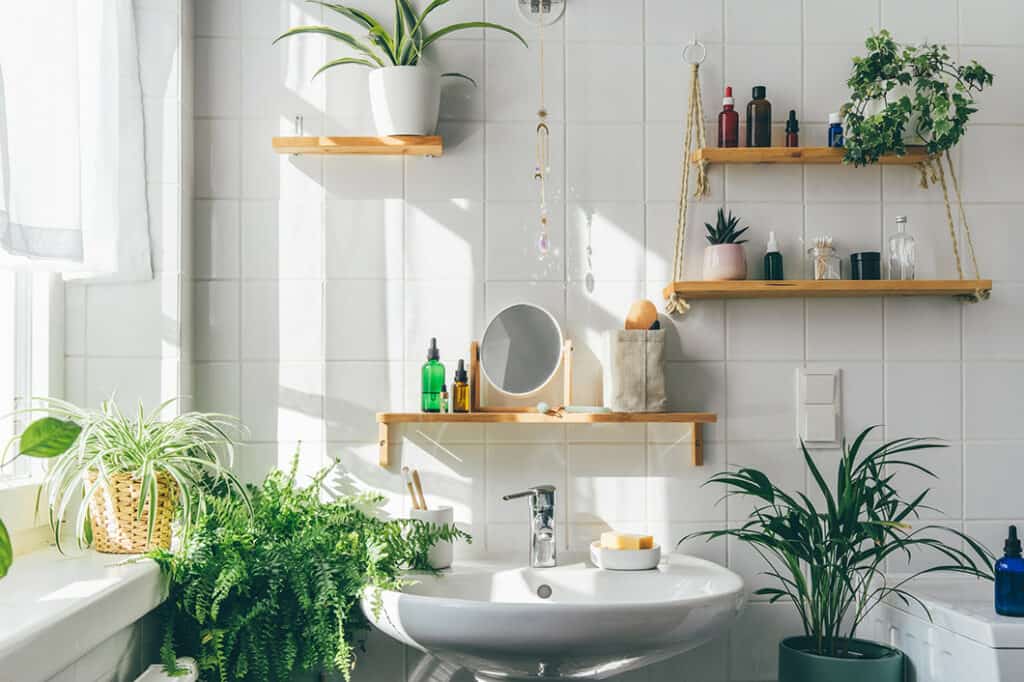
point(825, 264)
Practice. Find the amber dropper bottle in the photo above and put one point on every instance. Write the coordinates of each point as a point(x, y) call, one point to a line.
point(792, 128)
point(460, 389)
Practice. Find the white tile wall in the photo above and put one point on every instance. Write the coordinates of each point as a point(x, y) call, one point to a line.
point(320, 281)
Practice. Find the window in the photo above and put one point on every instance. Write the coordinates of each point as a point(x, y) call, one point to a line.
point(26, 327)
point(15, 360)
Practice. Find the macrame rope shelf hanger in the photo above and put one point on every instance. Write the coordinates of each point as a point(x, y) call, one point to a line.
point(698, 156)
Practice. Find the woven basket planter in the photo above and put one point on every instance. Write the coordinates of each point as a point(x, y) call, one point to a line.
point(116, 526)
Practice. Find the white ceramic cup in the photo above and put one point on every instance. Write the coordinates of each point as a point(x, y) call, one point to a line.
point(440, 555)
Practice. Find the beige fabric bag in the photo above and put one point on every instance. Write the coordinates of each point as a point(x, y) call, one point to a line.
point(635, 372)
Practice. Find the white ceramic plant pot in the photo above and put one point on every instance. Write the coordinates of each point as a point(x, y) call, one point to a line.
point(725, 262)
point(405, 99)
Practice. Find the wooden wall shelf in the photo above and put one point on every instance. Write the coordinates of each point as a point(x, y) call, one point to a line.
point(801, 155)
point(386, 419)
point(408, 145)
point(797, 288)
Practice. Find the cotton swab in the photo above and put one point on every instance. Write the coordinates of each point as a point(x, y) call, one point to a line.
point(408, 486)
point(419, 488)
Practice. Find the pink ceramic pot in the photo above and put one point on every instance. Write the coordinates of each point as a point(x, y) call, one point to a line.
point(725, 261)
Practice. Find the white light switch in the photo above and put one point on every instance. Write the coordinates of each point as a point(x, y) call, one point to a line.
point(819, 423)
point(818, 407)
point(819, 389)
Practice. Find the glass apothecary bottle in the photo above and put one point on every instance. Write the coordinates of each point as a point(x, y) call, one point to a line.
point(824, 261)
point(902, 252)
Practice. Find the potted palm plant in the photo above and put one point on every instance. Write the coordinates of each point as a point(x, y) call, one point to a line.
point(405, 91)
point(724, 258)
point(829, 558)
point(128, 478)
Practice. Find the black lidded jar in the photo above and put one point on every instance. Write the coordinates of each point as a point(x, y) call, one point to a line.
point(759, 119)
point(866, 265)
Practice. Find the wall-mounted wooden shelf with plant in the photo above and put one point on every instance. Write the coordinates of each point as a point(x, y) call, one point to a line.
point(909, 105)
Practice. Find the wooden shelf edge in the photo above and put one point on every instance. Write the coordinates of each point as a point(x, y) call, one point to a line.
point(409, 145)
point(695, 419)
point(538, 418)
point(699, 289)
point(796, 155)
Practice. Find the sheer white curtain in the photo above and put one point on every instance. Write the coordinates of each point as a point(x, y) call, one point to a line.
point(72, 159)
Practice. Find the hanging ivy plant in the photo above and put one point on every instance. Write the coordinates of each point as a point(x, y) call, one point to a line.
point(899, 91)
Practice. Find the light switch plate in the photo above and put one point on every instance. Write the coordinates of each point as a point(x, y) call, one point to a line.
point(819, 407)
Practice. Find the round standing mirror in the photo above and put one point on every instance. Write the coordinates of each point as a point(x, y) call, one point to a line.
point(521, 349)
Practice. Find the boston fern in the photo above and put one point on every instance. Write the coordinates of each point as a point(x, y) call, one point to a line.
point(899, 89)
point(724, 231)
point(403, 46)
point(829, 558)
point(262, 597)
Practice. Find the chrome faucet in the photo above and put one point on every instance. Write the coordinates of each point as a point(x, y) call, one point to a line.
point(542, 524)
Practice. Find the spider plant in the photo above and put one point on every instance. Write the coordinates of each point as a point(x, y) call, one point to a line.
point(79, 441)
point(829, 558)
point(403, 46)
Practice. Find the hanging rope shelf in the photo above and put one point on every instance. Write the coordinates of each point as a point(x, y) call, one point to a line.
point(697, 155)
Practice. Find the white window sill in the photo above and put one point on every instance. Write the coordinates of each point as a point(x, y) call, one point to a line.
point(54, 609)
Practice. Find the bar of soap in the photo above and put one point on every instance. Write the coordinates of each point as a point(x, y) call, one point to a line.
point(614, 540)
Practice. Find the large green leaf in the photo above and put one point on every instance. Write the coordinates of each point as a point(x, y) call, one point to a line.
point(48, 437)
point(332, 33)
point(6, 551)
point(440, 33)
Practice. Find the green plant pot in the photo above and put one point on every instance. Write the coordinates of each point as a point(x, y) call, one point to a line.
point(867, 661)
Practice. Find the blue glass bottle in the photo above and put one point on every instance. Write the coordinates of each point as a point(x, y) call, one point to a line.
point(835, 130)
point(1010, 578)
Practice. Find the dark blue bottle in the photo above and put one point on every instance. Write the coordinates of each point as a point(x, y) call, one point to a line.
point(1010, 578)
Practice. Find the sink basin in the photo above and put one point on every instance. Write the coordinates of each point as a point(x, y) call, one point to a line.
point(574, 621)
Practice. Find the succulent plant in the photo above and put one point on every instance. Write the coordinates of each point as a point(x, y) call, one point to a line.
point(724, 231)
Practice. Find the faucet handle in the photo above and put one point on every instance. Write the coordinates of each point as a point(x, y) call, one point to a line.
point(544, 494)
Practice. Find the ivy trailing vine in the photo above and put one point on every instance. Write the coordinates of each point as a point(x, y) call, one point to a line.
point(261, 597)
point(898, 88)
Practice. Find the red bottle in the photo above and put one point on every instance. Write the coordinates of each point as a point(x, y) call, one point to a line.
point(728, 122)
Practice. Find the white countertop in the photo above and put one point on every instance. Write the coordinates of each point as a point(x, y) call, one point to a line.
point(55, 608)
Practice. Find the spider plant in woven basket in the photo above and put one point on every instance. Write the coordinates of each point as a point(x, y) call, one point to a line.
point(829, 559)
point(88, 448)
point(403, 46)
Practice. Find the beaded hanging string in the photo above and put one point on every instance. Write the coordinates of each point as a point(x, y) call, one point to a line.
point(543, 166)
point(693, 138)
point(933, 173)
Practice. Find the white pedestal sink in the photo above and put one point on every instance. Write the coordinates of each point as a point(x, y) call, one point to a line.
point(574, 621)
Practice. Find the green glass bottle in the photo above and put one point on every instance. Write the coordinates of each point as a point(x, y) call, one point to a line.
point(432, 379)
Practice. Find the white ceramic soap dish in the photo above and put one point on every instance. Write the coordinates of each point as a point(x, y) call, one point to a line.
point(624, 559)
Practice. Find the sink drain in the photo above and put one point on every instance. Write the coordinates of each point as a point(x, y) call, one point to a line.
point(544, 591)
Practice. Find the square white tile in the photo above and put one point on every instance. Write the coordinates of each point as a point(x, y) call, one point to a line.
point(450, 311)
point(844, 329)
point(605, 162)
point(993, 401)
point(908, 320)
point(217, 311)
point(216, 225)
point(991, 22)
point(277, 79)
point(283, 402)
point(218, 77)
point(764, 330)
point(365, 238)
point(761, 401)
point(923, 400)
point(513, 242)
point(697, 387)
point(513, 468)
point(444, 241)
point(510, 158)
point(614, 235)
point(990, 491)
point(989, 169)
point(755, 22)
point(281, 239)
point(364, 319)
point(667, 21)
point(919, 21)
point(604, 85)
point(666, 72)
point(821, 26)
point(106, 332)
point(604, 20)
point(606, 483)
point(282, 320)
point(457, 174)
point(512, 81)
point(675, 488)
point(355, 392)
point(775, 66)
